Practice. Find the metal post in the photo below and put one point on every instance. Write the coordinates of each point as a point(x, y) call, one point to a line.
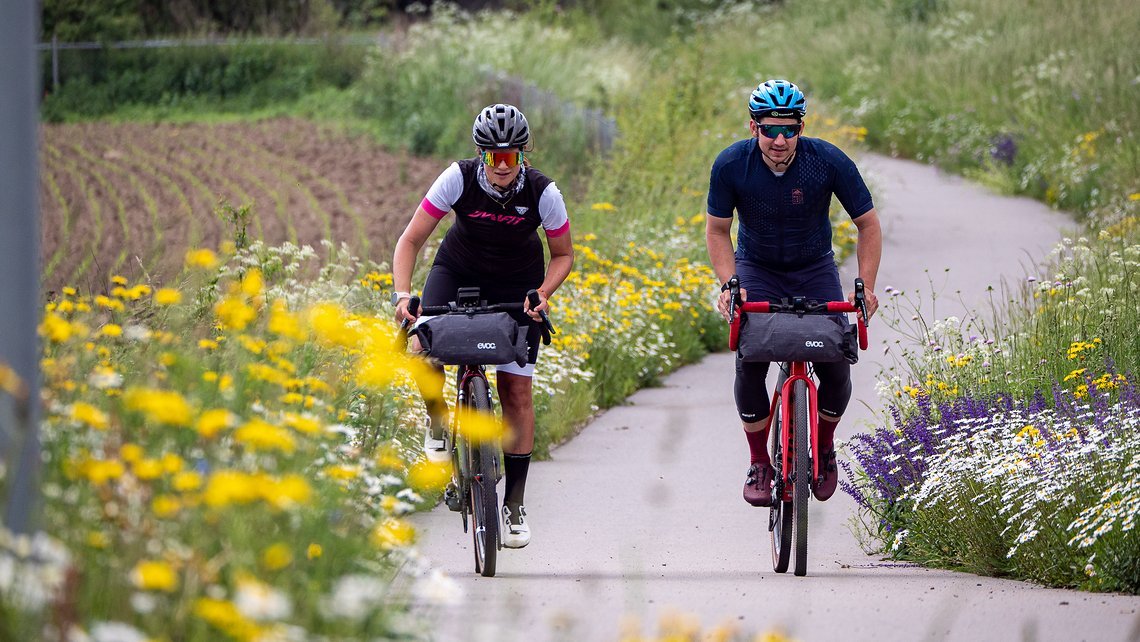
point(19, 264)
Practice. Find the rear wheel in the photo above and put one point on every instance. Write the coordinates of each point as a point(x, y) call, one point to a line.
point(484, 476)
point(780, 519)
point(801, 472)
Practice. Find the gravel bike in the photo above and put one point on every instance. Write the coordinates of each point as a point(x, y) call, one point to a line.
point(793, 418)
point(476, 465)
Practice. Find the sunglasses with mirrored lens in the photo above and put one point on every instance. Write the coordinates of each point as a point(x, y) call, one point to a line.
point(774, 131)
point(494, 159)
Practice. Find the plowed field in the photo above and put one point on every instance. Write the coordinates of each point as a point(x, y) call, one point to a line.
point(131, 198)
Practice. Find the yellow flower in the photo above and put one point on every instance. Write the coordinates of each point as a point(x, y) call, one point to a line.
point(212, 421)
point(131, 453)
point(167, 296)
point(118, 280)
point(201, 258)
point(307, 425)
point(289, 491)
point(225, 616)
point(207, 344)
point(429, 476)
point(234, 313)
point(56, 328)
point(148, 469)
point(284, 323)
point(160, 406)
point(165, 506)
point(276, 556)
point(480, 427)
point(90, 415)
point(231, 487)
point(98, 539)
point(186, 481)
point(154, 576)
point(111, 330)
point(314, 551)
point(603, 207)
point(393, 533)
point(261, 435)
point(100, 471)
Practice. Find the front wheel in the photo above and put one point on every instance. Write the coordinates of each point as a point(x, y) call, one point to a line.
point(780, 517)
point(484, 498)
point(801, 472)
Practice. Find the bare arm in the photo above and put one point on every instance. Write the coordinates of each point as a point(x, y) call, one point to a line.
point(718, 240)
point(561, 262)
point(408, 248)
point(869, 251)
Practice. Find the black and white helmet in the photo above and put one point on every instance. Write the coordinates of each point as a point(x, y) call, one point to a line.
point(500, 126)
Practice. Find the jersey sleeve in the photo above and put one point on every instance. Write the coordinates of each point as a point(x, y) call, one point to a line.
point(444, 192)
point(721, 200)
point(850, 188)
point(552, 210)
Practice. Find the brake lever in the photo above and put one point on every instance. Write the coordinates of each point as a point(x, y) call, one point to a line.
point(547, 327)
point(861, 300)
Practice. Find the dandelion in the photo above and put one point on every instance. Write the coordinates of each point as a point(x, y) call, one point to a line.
point(167, 296)
point(154, 576)
point(276, 556)
point(87, 414)
point(393, 533)
point(201, 258)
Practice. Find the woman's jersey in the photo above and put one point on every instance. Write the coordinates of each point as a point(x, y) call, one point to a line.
point(784, 222)
point(495, 236)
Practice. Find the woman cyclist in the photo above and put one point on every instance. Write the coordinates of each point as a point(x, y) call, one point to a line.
point(499, 203)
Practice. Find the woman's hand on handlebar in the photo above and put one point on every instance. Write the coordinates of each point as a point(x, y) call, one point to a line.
point(402, 313)
point(542, 306)
point(724, 303)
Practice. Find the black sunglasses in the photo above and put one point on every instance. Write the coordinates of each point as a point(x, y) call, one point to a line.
point(774, 131)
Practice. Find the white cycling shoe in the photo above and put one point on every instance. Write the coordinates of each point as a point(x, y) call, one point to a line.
point(516, 532)
point(436, 450)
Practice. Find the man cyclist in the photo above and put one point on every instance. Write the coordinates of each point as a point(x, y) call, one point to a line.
point(780, 183)
point(499, 203)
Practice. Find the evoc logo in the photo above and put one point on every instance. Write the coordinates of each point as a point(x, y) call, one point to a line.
point(486, 346)
point(813, 344)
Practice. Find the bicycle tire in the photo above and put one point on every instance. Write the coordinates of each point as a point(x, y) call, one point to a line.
point(780, 517)
point(801, 473)
point(484, 499)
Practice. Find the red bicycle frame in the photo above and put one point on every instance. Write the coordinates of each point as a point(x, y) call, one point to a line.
point(797, 371)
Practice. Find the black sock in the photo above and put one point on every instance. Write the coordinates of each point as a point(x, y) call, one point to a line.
point(516, 468)
point(437, 412)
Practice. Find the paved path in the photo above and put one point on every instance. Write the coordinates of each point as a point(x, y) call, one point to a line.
point(640, 515)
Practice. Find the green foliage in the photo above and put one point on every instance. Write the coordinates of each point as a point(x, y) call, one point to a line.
point(238, 77)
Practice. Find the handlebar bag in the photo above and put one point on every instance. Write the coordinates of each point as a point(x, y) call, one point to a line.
point(491, 339)
point(790, 337)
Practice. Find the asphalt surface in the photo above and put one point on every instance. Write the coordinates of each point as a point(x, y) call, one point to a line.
point(640, 516)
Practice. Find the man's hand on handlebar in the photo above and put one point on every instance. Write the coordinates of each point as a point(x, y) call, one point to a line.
point(871, 300)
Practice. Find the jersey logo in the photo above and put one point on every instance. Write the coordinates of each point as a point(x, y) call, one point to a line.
point(498, 218)
point(797, 196)
point(521, 210)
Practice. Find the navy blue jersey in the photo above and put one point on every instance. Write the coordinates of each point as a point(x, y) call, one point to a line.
point(784, 222)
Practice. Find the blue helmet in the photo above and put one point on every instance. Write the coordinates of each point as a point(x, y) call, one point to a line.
point(778, 99)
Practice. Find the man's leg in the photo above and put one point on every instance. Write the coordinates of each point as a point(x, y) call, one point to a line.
point(833, 396)
point(751, 392)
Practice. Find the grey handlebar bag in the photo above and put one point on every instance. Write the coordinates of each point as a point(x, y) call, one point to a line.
point(790, 337)
point(492, 339)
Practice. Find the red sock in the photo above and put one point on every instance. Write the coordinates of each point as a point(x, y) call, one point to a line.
point(827, 433)
point(758, 445)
